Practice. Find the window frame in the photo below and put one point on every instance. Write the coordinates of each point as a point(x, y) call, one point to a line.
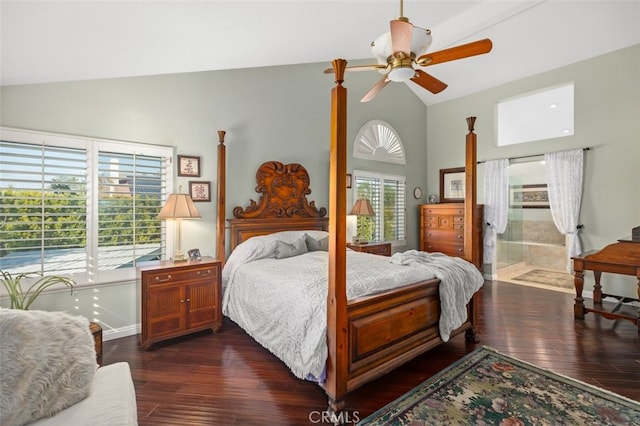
point(93, 147)
point(380, 222)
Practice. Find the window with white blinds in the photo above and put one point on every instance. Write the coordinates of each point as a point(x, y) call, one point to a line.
point(80, 207)
point(386, 193)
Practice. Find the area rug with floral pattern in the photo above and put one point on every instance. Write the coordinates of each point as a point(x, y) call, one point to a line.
point(486, 387)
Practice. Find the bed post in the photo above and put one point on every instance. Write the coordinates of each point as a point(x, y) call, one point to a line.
point(222, 173)
point(471, 218)
point(470, 212)
point(336, 382)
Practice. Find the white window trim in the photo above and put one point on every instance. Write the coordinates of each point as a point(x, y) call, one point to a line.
point(382, 176)
point(93, 147)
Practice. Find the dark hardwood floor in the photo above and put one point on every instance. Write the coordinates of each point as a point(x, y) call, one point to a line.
point(229, 379)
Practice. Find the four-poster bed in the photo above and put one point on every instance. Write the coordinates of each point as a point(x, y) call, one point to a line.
point(369, 335)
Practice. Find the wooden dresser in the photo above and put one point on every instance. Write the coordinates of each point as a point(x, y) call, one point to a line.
point(178, 298)
point(442, 229)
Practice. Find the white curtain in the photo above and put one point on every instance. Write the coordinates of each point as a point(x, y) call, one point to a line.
point(564, 182)
point(496, 205)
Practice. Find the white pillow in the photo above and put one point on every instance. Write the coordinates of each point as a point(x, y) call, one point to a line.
point(314, 244)
point(296, 248)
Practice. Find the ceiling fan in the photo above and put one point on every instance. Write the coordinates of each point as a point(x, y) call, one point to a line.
point(406, 45)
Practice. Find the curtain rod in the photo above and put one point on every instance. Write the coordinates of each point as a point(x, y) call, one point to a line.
point(528, 156)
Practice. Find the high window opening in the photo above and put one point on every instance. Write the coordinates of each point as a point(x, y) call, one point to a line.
point(544, 114)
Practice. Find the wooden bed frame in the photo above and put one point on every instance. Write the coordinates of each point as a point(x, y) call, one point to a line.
point(369, 336)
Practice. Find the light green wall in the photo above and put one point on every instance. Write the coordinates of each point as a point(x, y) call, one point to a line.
point(276, 113)
point(607, 119)
point(282, 113)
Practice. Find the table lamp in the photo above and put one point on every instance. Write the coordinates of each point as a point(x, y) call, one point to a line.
point(362, 207)
point(178, 206)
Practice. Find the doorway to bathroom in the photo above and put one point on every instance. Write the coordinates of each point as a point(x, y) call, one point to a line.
point(531, 251)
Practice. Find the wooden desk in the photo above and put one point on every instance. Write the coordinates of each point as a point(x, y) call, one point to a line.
point(623, 258)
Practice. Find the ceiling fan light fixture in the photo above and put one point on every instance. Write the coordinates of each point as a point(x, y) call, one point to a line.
point(401, 74)
point(404, 48)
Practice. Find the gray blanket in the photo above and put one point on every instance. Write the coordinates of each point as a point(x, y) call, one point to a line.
point(459, 281)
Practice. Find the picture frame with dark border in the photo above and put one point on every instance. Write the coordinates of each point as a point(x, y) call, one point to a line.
point(194, 254)
point(452, 185)
point(200, 191)
point(534, 196)
point(188, 165)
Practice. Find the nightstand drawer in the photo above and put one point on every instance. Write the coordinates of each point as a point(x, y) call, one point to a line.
point(165, 276)
point(381, 249)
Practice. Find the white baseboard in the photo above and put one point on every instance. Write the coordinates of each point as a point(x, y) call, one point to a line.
point(117, 333)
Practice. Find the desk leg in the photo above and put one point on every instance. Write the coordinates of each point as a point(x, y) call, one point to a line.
point(597, 289)
point(578, 307)
point(638, 317)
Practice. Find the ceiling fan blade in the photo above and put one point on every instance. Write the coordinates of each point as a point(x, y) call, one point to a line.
point(458, 52)
point(401, 32)
point(359, 68)
point(375, 89)
point(429, 82)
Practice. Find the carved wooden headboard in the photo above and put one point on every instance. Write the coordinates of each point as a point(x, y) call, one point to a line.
point(283, 204)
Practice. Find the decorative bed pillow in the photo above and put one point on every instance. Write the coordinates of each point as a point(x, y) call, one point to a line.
point(297, 247)
point(314, 244)
point(48, 362)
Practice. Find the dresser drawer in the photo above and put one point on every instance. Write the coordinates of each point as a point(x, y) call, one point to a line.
point(451, 211)
point(165, 276)
point(450, 249)
point(449, 236)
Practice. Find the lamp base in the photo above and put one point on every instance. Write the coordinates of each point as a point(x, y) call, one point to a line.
point(360, 241)
point(179, 256)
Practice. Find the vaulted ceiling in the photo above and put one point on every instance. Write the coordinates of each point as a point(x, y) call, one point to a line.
point(54, 41)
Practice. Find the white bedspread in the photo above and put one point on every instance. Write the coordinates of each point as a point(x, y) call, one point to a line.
point(281, 303)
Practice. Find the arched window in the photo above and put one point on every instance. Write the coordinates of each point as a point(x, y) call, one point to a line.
point(377, 140)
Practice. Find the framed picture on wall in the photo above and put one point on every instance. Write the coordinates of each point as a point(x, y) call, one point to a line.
point(529, 196)
point(452, 183)
point(188, 166)
point(200, 191)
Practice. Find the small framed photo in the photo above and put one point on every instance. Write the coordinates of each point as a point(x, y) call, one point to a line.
point(348, 180)
point(200, 191)
point(452, 183)
point(188, 166)
point(194, 254)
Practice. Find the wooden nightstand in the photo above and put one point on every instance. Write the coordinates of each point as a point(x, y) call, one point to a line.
point(96, 331)
point(178, 298)
point(382, 249)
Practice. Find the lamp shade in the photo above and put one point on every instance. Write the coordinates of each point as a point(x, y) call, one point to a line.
point(362, 207)
point(179, 206)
